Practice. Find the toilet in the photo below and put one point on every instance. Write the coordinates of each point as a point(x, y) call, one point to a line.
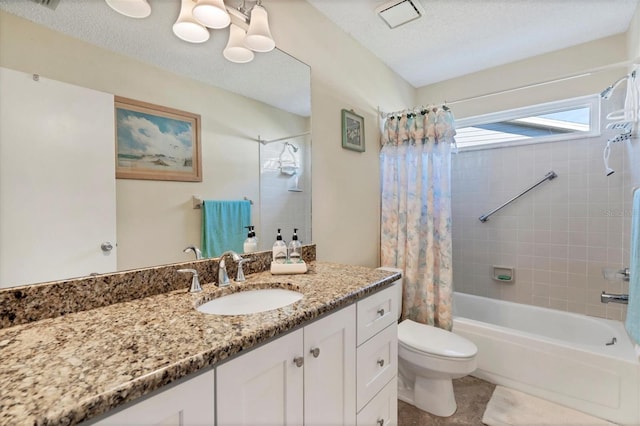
point(429, 358)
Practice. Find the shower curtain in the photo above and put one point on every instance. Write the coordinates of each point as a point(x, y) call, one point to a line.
point(415, 163)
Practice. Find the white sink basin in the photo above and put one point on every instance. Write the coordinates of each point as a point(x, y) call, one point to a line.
point(250, 301)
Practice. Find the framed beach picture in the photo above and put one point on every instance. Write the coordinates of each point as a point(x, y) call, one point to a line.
point(157, 143)
point(352, 131)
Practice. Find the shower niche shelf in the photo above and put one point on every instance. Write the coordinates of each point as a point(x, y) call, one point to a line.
point(503, 274)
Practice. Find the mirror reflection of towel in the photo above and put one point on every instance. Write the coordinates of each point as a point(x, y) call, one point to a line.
point(223, 225)
point(632, 323)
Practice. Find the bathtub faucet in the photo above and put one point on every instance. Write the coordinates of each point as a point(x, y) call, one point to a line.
point(615, 298)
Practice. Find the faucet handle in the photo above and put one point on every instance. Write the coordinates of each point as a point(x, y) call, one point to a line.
point(240, 276)
point(195, 282)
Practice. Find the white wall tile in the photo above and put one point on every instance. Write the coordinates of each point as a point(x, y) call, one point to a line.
point(558, 236)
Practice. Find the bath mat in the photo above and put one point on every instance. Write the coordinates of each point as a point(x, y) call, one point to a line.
point(508, 407)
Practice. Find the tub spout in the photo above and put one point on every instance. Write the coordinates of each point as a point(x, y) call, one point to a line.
point(615, 298)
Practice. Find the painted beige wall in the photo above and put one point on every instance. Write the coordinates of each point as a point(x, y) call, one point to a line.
point(543, 68)
point(346, 184)
point(346, 197)
point(633, 36)
point(155, 219)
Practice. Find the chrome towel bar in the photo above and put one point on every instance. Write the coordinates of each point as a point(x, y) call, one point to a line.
point(549, 176)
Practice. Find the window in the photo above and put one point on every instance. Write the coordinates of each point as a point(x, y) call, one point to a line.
point(554, 121)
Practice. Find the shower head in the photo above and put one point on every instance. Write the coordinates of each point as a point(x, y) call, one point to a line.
point(606, 93)
point(295, 148)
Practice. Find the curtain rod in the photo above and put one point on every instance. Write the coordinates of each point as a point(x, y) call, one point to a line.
point(264, 141)
point(415, 110)
point(545, 82)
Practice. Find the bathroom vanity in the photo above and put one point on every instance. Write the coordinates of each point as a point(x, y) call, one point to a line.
point(330, 357)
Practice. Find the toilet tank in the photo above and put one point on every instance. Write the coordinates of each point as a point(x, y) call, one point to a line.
point(398, 284)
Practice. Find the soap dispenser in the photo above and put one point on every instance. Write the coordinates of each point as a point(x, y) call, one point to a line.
point(279, 249)
point(295, 248)
point(250, 244)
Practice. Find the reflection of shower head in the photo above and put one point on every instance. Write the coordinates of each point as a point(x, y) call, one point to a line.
point(295, 148)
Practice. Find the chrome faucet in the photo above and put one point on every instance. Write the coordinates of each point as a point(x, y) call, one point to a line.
point(223, 277)
point(614, 298)
point(240, 275)
point(195, 282)
point(195, 250)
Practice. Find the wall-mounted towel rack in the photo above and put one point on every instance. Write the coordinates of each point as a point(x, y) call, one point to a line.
point(197, 201)
point(549, 176)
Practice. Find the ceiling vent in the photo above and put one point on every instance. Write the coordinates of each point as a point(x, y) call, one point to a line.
point(398, 12)
point(51, 4)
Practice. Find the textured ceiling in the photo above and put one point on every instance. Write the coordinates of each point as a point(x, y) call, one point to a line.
point(458, 37)
point(453, 38)
point(151, 40)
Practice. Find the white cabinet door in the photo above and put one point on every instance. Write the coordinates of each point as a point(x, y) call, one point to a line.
point(185, 404)
point(382, 410)
point(264, 386)
point(330, 370)
point(57, 180)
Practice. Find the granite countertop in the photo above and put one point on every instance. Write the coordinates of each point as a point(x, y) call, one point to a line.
point(65, 370)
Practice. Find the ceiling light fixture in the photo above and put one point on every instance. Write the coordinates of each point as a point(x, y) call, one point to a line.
point(187, 27)
point(131, 8)
point(212, 13)
point(259, 35)
point(248, 33)
point(236, 51)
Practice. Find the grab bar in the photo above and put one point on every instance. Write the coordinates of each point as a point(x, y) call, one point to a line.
point(549, 176)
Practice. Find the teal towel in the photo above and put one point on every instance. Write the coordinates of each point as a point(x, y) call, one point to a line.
point(632, 323)
point(223, 225)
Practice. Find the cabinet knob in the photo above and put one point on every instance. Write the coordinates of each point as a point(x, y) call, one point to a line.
point(315, 352)
point(106, 246)
point(381, 362)
point(380, 422)
point(381, 312)
point(298, 361)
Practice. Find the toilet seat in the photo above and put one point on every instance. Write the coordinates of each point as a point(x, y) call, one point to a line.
point(434, 341)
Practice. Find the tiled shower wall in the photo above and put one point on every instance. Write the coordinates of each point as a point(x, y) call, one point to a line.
point(280, 206)
point(558, 237)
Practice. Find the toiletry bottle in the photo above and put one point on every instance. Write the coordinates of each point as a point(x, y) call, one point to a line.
point(250, 244)
point(295, 248)
point(279, 249)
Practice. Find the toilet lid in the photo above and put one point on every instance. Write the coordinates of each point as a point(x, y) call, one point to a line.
point(433, 340)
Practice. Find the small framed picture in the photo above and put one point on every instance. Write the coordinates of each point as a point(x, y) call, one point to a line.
point(156, 142)
point(352, 131)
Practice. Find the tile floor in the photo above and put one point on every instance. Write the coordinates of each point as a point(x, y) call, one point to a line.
point(472, 396)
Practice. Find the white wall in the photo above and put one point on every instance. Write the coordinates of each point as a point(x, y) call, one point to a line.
point(558, 237)
point(561, 235)
point(279, 206)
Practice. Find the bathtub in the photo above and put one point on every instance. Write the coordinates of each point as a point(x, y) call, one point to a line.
point(558, 356)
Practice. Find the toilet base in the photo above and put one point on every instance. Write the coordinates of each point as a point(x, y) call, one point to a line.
point(434, 396)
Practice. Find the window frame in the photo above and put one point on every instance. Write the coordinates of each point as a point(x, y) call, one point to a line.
point(593, 102)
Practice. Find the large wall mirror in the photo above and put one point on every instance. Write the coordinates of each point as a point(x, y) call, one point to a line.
point(88, 51)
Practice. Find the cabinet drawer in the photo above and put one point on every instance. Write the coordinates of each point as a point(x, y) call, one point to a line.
point(376, 312)
point(377, 363)
point(382, 410)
